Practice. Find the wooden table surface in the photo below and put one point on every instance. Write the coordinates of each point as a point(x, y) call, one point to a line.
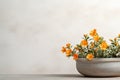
point(52, 77)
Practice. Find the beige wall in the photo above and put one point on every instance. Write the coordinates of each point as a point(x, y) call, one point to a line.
point(33, 31)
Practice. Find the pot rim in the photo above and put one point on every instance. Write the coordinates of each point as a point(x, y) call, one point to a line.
point(99, 60)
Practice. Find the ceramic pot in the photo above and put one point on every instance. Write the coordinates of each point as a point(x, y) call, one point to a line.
point(99, 67)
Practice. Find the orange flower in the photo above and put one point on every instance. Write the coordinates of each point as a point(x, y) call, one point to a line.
point(68, 52)
point(90, 56)
point(63, 49)
point(75, 56)
point(84, 43)
point(96, 38)
point(93, 32)
point(68, 45)
point(103, 45)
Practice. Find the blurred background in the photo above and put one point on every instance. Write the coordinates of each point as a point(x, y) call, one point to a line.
point(32, 32)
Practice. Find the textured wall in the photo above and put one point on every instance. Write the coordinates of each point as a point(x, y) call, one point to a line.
point(33, 31)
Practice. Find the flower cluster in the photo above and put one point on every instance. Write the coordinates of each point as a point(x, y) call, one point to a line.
point(93, 46)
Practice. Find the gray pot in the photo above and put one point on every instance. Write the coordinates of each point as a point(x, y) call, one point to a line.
point(99, 67)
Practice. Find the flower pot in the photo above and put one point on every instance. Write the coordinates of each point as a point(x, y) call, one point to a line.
point(99, 67)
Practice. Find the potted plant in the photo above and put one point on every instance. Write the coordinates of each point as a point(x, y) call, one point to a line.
point(94, 56)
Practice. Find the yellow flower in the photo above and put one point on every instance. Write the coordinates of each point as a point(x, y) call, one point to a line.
point(96, 38)
point(93, 32)
point(90, 56)
point(68, 52)
point(63, 49)
point(84, 43)
point(68, 45)
point(103, 45)
point(75, 56)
